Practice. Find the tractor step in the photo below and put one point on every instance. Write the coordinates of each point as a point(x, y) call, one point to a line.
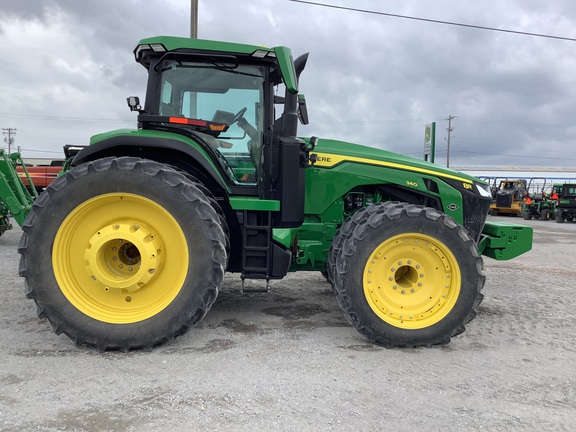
point(257, 245)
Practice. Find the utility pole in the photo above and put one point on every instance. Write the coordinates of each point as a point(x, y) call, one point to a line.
point(194, 19)
point(10, 132)
point(449, 129)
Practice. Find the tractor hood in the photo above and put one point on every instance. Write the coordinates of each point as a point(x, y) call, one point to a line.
point(330, 153)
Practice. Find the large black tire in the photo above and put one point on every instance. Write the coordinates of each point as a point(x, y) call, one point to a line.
point(526, 214)
point(545, 214)
point(335, 247)
point(559, 216)
point(213, 203)
point(407, 275)
point(122, 253)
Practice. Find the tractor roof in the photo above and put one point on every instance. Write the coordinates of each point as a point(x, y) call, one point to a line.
point(164, 44)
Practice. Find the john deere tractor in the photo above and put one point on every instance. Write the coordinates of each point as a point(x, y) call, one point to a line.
point(566, 206)
point(128, 248)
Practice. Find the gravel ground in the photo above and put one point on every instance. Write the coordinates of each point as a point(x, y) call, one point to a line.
point(288, 361)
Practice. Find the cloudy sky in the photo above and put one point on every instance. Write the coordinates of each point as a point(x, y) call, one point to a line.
point(67, 68)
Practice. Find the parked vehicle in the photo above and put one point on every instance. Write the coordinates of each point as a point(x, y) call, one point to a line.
point(509, 198)
point(566, 207)
point(537, 203)
point(128, 247)
point(42, 175)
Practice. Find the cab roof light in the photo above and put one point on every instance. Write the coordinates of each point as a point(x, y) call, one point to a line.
point(263, 53)
point(159, 48)
point(141, 48)
point(259, 53)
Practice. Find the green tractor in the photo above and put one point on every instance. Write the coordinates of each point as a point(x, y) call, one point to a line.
point(566, 206)
point(128, 247)
point(537, 204)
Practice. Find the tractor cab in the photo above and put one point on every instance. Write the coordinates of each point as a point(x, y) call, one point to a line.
point(221, 103)
point(225, 98)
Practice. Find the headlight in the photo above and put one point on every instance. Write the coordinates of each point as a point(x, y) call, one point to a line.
point(483, 190)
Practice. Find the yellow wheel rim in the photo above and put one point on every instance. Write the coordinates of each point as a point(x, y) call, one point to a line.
point(412, 281)
point(120, 258)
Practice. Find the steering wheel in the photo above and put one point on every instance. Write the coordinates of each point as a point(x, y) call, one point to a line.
point(238, 116)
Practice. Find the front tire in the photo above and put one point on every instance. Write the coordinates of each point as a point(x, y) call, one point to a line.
point(122, 253)
point(408, 275)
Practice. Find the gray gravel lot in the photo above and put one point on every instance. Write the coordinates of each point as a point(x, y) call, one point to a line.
point(288, 361)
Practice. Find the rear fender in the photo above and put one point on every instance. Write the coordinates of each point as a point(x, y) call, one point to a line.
point(162, 147)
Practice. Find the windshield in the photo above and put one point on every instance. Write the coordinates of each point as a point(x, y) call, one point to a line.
point(225, 94)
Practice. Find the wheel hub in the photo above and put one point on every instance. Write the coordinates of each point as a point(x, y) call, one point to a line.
point(122, 256)
point(411, 281)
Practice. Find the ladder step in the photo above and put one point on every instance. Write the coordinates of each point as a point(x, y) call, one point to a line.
point(257, 250)
point(257, 270)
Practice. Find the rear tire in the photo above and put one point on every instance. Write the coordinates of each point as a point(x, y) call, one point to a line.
point(408, 275)
point(122, 253)
point(559, 216)
point(545, 214)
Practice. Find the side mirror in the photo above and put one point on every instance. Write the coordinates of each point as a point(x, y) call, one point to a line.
point(302, 110)
point(134, 103)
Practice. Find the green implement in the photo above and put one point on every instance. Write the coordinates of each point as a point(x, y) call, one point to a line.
point(15, 199)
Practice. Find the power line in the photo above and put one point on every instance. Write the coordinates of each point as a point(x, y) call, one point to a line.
point(436, 21)
point(64, 118)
